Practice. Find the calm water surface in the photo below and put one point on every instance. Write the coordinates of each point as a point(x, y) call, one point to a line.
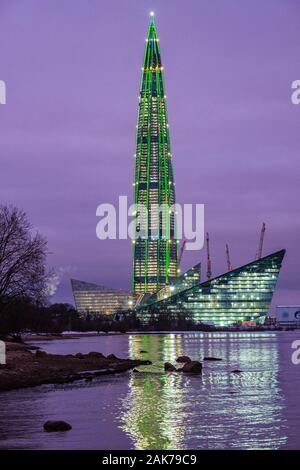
point(258, 409)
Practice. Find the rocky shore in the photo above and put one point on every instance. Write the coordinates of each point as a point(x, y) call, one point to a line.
point(27, 367)
point(28, 338)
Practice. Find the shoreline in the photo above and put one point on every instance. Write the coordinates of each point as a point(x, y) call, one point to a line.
point(50, 337)
point(28, 366)
point(34, 338)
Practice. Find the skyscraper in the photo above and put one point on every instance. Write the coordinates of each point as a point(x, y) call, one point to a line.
point(154, 247)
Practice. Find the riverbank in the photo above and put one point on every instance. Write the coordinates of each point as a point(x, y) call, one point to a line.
point(29, 338)
point(28, 367)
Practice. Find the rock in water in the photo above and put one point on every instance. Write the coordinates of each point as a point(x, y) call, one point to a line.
point(209, 358)
point(183, 359)
point(56, 426)
point(111, 356)
point(95, 354)
point(169, 367)
point(79, 356)
point(88, 379)
point(194, 367)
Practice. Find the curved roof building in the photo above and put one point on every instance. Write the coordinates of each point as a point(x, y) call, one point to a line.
point(240, 295)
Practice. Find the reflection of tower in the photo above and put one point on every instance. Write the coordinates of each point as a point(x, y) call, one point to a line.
point(151, 417)
point(154, 247)
point(220, 410)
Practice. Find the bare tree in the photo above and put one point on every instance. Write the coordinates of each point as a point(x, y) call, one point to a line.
point(22, 258)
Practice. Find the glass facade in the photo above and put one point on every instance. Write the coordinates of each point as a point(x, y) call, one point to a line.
point(154, 247)
point(243, 294)
point(93, 298)
point(182, 282)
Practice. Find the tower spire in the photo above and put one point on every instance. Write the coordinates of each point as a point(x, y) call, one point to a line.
point(152, 16)
point(154, 256)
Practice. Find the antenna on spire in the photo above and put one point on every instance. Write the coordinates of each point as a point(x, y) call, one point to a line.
point(208, 257)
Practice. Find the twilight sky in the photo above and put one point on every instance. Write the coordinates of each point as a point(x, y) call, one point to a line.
point(67, 133)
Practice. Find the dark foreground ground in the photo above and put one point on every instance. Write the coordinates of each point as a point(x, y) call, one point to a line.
point(26, 367)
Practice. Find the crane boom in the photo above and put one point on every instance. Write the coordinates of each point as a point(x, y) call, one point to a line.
point(181, 252)
point(261, 241)
point(229, 265)
point(208, 257)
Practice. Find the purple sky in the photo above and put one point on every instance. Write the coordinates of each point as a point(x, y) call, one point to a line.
point(67, 132)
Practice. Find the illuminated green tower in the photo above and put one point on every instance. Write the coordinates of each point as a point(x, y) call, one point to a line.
point(154, 251)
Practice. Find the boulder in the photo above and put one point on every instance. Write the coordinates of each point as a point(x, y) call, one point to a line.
point(169, 367)
point(142, 351)
point(193, 367)
point(210, 358)
point(95, 354)
point(236, 371)
point(111, 356)
point(79, 356)
point(56, 426)
point(183, 359)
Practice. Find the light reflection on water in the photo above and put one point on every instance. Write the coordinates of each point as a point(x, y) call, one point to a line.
point(216, 411)
point(157, 410)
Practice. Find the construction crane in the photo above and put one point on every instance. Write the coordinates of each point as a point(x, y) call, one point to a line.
point(229, 265)
point(261, 241)
point(181, 252)
point(208, 257)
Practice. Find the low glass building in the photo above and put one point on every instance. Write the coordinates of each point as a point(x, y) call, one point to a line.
point(182, 282)
point(240, 295)
point(93, 298)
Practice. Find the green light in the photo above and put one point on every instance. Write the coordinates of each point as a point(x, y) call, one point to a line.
point(154, 260)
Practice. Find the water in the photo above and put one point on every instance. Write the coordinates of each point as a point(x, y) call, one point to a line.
point(258, 409)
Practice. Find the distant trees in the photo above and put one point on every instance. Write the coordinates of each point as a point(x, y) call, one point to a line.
point(22, 258)
point(23, 276)
point(126, 320)
point(63, 317)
